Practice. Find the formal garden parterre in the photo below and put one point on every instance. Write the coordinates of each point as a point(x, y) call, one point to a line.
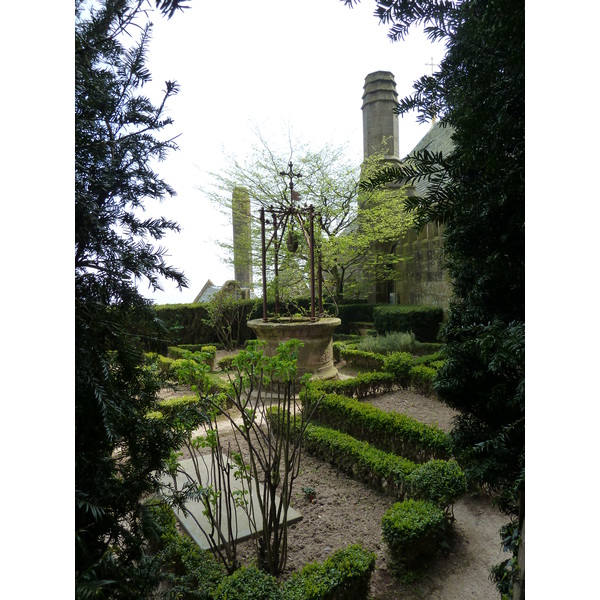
point(406, 462)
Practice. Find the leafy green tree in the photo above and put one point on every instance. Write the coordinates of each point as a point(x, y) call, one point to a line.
point(478, 193)
point(119, 452)
point(348, 222)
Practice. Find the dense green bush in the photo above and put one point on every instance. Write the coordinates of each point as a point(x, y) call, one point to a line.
point(439, 481)
point(421, 378)
point(205, 353)
point(187, 324)
point(188, 571)
point(249, 583)
point(423, 321)
point(388, 431)
point(166, 366)
point(210, 353)
point(345, 575)
point(412, 531)
point(226, 362)
point(399, 364)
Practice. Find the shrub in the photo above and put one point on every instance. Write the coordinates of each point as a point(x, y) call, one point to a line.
point(421, 378)
point(225, 363)
point(248, 583)
point(423, 321)
point(209, 352)
point(396, 341)
point(188, 571)
point(440, 482)
point(176, 352)
point(345, 575)
point(399, 364)
point(412, 531)
point(166, 366)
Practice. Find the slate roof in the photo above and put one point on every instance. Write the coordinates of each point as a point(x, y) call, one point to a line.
point(437, 139)
point(207, 292)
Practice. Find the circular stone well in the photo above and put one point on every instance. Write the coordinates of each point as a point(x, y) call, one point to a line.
point(316, 356)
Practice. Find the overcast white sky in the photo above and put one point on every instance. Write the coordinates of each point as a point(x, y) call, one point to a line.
point(266, 63)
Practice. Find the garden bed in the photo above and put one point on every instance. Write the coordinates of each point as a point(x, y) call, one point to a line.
point(345, 512)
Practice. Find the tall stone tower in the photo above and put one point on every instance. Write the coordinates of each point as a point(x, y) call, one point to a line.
point(380, 122)
point(242, 237)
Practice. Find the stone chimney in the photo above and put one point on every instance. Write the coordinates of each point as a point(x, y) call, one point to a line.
point(380, 122)
point(242, 237)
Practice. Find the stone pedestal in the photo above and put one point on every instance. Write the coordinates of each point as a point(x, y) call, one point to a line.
point(316, 356)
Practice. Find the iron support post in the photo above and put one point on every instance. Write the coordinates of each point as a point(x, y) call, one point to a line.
point(264, 263)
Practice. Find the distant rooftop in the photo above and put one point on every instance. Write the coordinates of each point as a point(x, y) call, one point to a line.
point(207, 292)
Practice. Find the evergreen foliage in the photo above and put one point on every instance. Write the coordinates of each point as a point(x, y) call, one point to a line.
point(118, 450)
point(478, 193)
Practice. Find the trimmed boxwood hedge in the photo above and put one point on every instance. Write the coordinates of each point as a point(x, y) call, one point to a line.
point(382, 470)
point(389, 431)
point(412, 531)
point(421, 378)
point(361, 358)
point(361, 386)
point(249, 583)
point(441, 482)
point(423, 321)
point(345, 575)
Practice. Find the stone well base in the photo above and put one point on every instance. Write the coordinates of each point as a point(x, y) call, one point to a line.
point(316, 356)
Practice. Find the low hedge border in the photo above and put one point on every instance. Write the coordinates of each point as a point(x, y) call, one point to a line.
point(382, 470)
point(397, 369)
point(360, 358)
point(439, 481)
point(361, 386)
point(388, 431)
point(392, 474)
